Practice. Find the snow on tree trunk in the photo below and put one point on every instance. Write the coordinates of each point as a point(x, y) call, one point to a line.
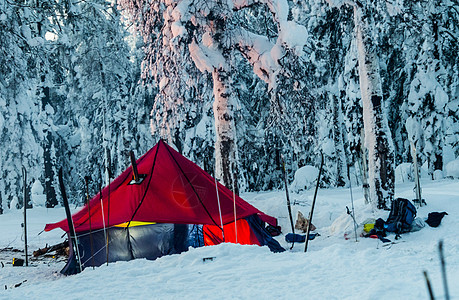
point(377, 135)
point(225, 144)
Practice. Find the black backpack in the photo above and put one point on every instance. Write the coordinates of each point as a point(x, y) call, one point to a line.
point(401, 216)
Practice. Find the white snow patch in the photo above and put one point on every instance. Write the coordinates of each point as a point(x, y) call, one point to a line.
point(37, 196)
point(206, 59)
point(36, 41)
point(164, 81)
point(412, 128)
point(178, 29)
point(438, 174)
point(304, 179)
point(452, 169)
point(14, 204)
point(333, 267)
point(336, 3)
point(293, 35)
point(404, 173)
point(51, 36)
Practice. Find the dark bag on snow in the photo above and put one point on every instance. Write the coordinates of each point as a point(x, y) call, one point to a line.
point(274, 230)
point(401, 216)
point(299, 238)
point(434, 218)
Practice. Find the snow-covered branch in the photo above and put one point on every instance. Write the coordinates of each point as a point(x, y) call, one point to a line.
point(205, 56)
point(278, 8)
point(263, 54)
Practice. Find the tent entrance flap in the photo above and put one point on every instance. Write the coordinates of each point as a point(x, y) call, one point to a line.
point(246, 236)
point(250, 231)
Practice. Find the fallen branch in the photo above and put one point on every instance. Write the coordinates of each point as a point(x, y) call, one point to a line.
point(61, 249)
point(11, 249)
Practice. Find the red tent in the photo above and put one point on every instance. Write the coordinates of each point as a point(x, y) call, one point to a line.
point(173, 190)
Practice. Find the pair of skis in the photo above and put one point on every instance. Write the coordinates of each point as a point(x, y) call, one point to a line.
point(308, 230)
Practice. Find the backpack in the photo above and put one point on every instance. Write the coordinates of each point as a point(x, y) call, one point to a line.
point(401, 216)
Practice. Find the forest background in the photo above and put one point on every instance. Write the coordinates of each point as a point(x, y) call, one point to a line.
point(84, 82)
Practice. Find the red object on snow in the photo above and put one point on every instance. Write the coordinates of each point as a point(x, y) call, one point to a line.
point(174, 190)
point(244, 236)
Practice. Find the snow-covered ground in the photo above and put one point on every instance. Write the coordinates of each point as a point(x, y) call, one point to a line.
point(333, 267)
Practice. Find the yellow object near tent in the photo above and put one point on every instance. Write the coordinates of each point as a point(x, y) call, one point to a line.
point(368, 227)
point(134, 223)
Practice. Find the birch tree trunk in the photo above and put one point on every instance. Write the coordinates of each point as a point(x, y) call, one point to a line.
point(377, 135)
point(225, 145)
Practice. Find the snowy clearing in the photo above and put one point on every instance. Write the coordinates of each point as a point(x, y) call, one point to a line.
point(333, 268)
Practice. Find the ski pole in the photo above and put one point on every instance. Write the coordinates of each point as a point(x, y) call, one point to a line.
point(24, 173)
point(288, 202)
point(103, 216)
point(314, 201)
point(352, 202)
point(71, 225)
point(88, 203)
point(234, 206)
point(110, 175)
point(443, 269)
point(429, 286)
point(219, 209)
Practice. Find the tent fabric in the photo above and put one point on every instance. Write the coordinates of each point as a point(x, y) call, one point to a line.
point(174, 190)
point(155, 240)
point(245, 236)
point(165, 213)
point(145, 241)
point(250, 231)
